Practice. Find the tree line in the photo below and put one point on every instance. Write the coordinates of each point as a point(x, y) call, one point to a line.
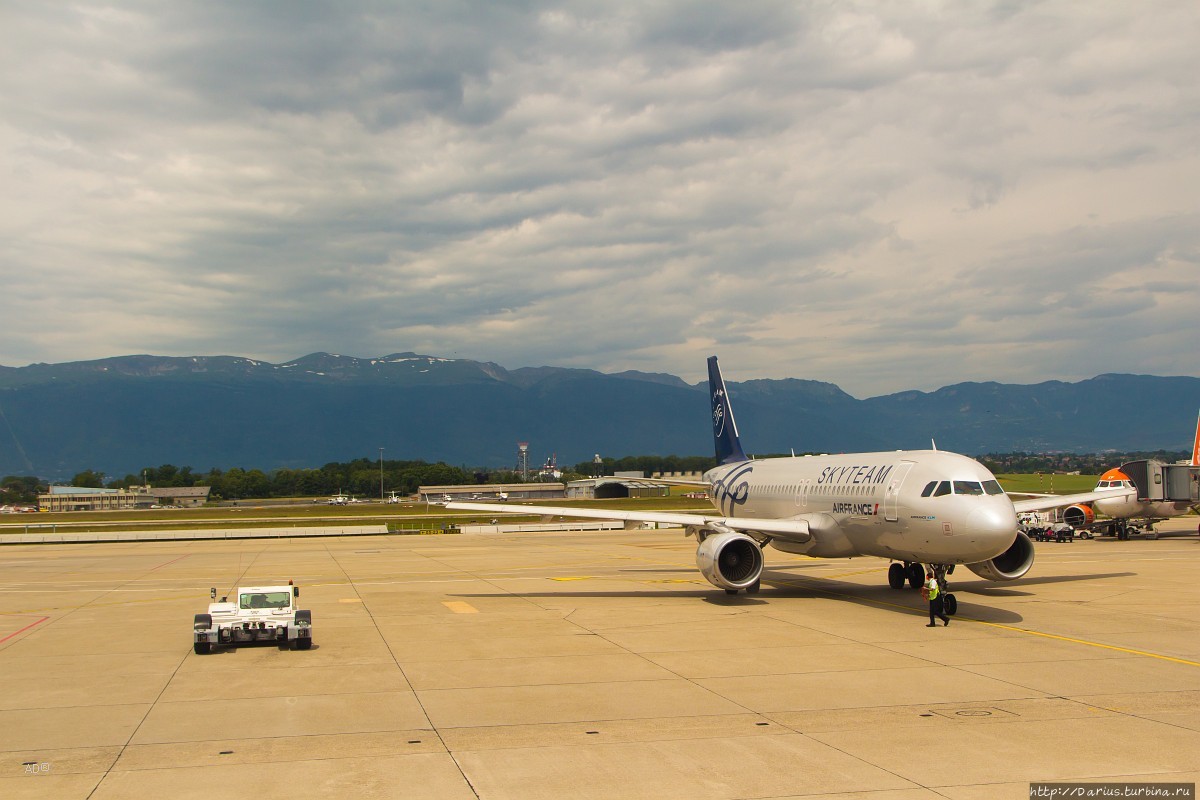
point(1083, 463)
point(361, 476)
point(645, 464)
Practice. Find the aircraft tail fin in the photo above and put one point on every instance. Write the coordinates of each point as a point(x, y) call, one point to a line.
point(1196, 445)
point(725, 434)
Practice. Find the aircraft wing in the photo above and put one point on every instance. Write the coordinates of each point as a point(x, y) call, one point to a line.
point(796, 530)
point(1047, 502)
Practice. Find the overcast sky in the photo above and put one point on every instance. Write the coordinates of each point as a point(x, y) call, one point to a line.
point(886, 196)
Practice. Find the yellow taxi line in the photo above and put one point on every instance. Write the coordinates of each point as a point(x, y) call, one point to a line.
point(922, 612)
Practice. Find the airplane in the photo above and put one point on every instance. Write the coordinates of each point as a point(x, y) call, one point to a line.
point(913, 507)
point(1125, 508)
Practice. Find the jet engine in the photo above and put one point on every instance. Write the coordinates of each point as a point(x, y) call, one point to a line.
point(1078, 516)
point(729, 560)
point(1009, 565)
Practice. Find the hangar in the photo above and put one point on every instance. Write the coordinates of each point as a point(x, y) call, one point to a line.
point(613, 487)
point(184, 496)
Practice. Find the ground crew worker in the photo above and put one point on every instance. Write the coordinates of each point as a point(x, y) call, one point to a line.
point(934, 593)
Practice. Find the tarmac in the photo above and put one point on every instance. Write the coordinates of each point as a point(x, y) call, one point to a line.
point(592, 665)
point(49, 534)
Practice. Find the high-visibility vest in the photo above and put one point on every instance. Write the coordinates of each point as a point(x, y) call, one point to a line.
point(932, 586)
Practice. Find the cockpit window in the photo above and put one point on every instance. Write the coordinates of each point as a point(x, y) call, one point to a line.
point(942, 488)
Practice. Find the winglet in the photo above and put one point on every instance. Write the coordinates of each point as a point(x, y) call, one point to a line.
point(725, 434)
point(1196, 445)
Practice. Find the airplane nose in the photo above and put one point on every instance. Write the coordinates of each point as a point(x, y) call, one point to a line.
point(992, 524)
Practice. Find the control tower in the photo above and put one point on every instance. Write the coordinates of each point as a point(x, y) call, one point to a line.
point(523, 460)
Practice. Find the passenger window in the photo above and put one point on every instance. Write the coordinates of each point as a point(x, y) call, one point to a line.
point(992, 487)
point(967, 487)
point(928, 490)
point(943, 488)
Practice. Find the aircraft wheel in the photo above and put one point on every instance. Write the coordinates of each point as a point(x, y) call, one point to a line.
point(896, 576)
point(916, 576)
point(731, 591)
point(754, 587)
point(950, 604)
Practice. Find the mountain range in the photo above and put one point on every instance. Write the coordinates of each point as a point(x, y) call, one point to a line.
point(117, 415)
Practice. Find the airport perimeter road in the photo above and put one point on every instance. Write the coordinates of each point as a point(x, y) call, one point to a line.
point(591, 665)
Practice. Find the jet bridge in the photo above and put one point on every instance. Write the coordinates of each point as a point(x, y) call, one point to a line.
point(1156, 480)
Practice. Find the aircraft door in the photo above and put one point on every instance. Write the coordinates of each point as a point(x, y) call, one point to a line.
point(891, 497)
point(802, 493)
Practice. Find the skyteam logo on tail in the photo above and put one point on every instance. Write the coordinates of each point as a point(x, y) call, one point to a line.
point(718, 412)
point(725, 438)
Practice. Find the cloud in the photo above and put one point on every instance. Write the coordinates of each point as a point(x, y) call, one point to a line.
point(882, 196)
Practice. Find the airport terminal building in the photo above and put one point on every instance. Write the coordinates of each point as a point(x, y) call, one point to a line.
point(78, 498)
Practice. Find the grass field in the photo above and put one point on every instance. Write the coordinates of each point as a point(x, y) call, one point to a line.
point(416, 516)
point(1048, 484)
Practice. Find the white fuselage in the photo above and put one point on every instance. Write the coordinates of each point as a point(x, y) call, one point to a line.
point(1127, 506)
point(925, 506)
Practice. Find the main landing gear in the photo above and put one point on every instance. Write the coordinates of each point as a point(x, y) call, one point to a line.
point(914, 574)
point(898, 574)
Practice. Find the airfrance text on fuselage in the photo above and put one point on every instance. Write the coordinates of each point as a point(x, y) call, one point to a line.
point(856, 509)
point(868, 473)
